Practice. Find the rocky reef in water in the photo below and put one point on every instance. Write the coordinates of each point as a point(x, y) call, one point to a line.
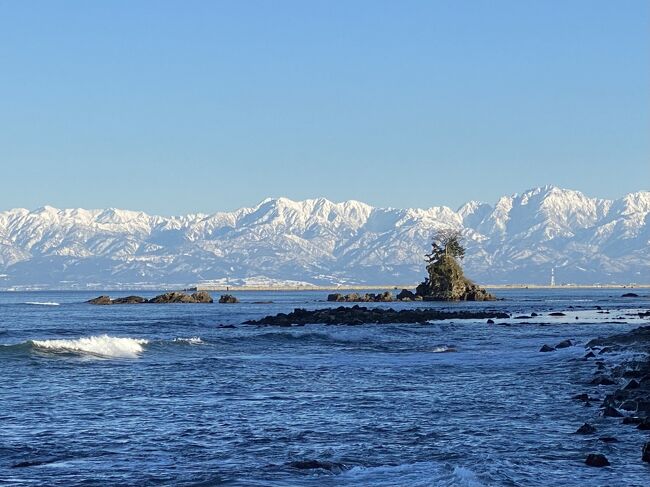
point(385, 297)
point(359, 315)
point(166, 298)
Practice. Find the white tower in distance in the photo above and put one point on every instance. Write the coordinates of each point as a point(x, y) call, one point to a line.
point(552, 276)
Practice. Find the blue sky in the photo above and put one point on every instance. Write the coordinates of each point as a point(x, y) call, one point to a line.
point(186, 106)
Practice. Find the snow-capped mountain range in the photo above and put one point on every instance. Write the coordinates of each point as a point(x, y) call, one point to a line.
point(517, 240)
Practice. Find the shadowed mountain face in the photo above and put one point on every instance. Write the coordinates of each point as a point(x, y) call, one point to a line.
point(518, 240)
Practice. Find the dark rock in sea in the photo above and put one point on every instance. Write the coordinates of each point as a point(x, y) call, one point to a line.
point(645, 314)
point(644, 425)
point(582, 397)
point(610, 412)
point(590, 355)
point(490, 321)
point(629, 405)
point(227, 326)
point(533, 314)
point(547, 348)
point(102, 300)
point(608, 439)
point(586, 429)
point(633, 420)
point(406, 295)
point(129, 300)
point(356, 314)
point(175, 297)
point(603, 380)
point(228, 299)
point(522, 317)
point(556, 313)
point(564, 344)
point(630, 295)
point(605, 350)
point(596, 460)
point(645, 453)
point(172, 297)
point(385, 297)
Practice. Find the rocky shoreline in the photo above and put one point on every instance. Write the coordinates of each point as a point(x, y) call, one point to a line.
point(627, 387)
point(359, 315)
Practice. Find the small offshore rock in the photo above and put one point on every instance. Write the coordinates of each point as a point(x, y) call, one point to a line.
point(582, 397)
point(632, 420)
point(406, 295)
point(228, 299)
point(632, 385)
point(490, 321)
point(630, 295)
point(590, 355)
point(564, 344)
point(611, 412)
point(608, 439)
point(603, 380)
point(546, 348)
point(586, 429)
point(557, 313)
point(596, 460)
point(645, 453)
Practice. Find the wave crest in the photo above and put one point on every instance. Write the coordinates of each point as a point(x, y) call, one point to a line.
point(43, 303)
point(100, 346)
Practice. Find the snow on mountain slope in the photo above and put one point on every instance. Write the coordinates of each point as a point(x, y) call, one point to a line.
point(523, 236)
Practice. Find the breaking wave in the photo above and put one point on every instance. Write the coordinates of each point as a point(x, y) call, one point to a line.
point(45, 303)
point(99, 346)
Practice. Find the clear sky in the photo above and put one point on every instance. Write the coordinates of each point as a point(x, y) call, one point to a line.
point(187, 106)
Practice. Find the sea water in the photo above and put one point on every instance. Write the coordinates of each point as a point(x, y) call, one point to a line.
point(164, 395)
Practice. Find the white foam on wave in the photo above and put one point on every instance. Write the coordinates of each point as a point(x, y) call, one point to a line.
point(419, 474)
point(443, 349)
point(190, 341)
point(45, 303)
point(100, 346)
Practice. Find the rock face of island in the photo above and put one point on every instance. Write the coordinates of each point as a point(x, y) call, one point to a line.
point(171, 297)
point(446, 281)
point(358, 315)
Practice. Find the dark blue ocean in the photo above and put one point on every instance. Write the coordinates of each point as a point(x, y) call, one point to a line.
point(148, 395)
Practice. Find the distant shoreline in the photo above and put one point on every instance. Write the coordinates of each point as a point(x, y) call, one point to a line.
point(297, 288)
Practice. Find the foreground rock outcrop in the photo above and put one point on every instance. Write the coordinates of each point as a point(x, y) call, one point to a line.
point(626, 383)
point(358, 315)
point(446, 282)
point(166, 298)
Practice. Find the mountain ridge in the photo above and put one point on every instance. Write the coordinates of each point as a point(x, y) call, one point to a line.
point(517, 240)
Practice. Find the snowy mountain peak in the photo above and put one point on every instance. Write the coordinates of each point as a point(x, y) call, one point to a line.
point(316, 240)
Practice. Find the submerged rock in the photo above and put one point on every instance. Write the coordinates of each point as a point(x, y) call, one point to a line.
point(586, 429)
point(547, 348)
point(564, 344)
point(630, 295)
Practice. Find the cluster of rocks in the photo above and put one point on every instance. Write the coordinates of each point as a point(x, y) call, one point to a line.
point(171, 297)
point(228, 299)
point(358, 315)
point(629, 402)
point(385, 297)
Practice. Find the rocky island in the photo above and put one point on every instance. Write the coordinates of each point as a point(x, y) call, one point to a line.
point(166, 298)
